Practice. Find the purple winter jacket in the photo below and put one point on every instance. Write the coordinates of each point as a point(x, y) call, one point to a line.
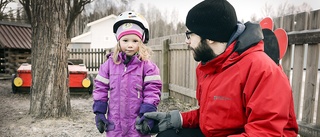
point(125, 88)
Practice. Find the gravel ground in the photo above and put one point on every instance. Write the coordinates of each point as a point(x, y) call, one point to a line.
point(15, 121)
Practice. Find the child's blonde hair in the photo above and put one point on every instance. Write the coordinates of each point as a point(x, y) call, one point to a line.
point(144, 52)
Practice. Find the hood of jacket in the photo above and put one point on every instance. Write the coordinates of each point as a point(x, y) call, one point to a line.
point(244, 42)
point(249, 38)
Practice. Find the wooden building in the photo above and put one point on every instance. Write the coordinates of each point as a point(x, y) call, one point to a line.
point(15, 46)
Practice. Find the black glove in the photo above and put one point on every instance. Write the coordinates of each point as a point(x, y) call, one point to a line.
point(145, 125)
point(103, 124)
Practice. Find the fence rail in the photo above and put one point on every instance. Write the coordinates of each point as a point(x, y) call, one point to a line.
point(92, 58)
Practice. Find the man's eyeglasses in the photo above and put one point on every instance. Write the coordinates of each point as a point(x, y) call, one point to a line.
point(188, 34)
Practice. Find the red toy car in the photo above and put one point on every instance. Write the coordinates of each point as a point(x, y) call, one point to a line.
point(79, 79)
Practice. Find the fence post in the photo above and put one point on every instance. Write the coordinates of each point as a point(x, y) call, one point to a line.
point(301, 22)
point(288, 23)
point(165, 69)
point(314, 24)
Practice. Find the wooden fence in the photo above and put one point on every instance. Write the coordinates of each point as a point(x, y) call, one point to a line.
point(92, 58)
point(302, 60)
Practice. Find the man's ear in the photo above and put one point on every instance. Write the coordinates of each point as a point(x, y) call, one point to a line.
point(209, 42)
point(217, 47)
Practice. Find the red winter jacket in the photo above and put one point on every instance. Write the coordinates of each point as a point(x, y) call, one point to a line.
point(243, 93)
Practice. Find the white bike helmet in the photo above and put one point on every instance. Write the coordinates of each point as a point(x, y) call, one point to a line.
point(132, 17)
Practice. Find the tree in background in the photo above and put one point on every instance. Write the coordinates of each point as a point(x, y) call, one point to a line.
point(254, 18)
point(267, 11)
point(3, 4)
point(51, 23)
point(97, 10)
point(284, 9)
point(168, 21)
point(287, 9)
point(161, 23)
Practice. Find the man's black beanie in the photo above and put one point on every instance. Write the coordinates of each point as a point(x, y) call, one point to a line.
point(212, 19)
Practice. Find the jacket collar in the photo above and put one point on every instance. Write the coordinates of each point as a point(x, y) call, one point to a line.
point(228, 58)
point(134, 59)
point(215, 65)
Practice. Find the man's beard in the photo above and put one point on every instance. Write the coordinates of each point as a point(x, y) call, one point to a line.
point(203, 52)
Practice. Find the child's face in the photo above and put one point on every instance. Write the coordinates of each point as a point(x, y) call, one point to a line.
point(130, 44)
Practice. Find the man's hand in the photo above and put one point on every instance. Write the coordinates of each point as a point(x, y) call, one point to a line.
point(166, 120)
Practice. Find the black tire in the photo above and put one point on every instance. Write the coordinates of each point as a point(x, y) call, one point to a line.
point(14, 88)
point(90, 89)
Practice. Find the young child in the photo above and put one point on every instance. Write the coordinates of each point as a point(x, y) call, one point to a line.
point(128, 83)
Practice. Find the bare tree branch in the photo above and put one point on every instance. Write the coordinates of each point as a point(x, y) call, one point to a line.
point(267, 11)
point(26, 5)
point(3, 5)
point(75, 8)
